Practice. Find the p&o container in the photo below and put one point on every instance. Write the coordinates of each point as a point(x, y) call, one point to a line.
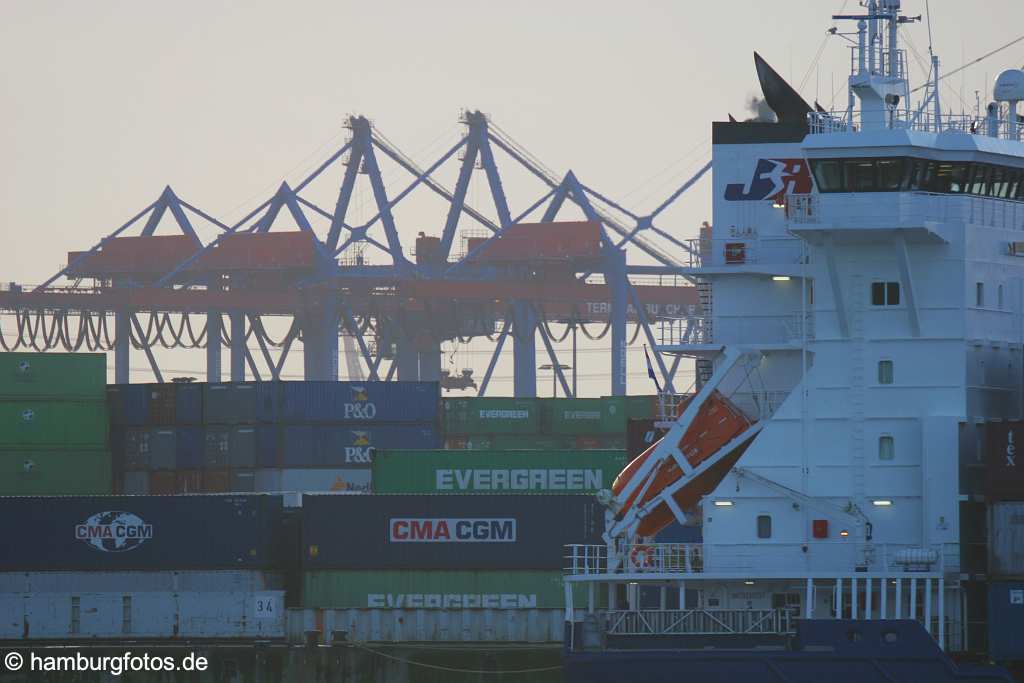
point(116, 533)
point(446, 532)
point(340, 446)
point(397, 471)
point(363, 402)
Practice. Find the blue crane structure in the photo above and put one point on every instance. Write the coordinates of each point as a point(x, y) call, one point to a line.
point(322, 279)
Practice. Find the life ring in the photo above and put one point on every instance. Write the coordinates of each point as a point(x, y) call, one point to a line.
point(642, 556)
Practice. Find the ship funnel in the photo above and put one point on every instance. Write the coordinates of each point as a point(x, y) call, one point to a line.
point(786, 102)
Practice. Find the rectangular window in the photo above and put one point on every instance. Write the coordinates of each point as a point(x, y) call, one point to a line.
point(999, 296)
point(958, 178)
point(997, 183)
point(979, 294)
point(885, 372)
point(886, 447)
point(885, 294)
point(979, 176)
point(890, 174)
point(860, 175)
point(828, 174)
point(764, 526)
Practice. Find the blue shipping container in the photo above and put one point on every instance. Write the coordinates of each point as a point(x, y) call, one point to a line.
point(268, 446)
point(240, 402)
point(128, 404)
point(335, 446)
point(367, 402)
point(1006, 620)
point(188, 404)
point(446, 532)
point(188, 453)
point(110, 533)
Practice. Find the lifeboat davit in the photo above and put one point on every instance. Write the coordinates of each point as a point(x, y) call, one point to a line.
point(717, 423)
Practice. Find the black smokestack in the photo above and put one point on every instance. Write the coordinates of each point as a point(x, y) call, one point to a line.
point(786, 102)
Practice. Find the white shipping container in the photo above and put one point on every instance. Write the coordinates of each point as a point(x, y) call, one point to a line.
point(224, 581)
point(308, 480)
point(152, 614)
point(429, 626)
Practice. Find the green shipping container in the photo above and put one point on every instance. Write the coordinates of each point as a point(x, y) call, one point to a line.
point(405, 471)
point(42, 424)
point(510, 442)
point(641, 407)
point(54, 473)
point(80, 376)
point(409, 589)
point(585, 416)
point(491, 416)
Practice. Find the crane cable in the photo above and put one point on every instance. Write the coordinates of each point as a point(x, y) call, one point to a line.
point(972, 63)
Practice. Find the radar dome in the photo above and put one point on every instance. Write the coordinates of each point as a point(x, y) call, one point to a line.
point(1009, 86)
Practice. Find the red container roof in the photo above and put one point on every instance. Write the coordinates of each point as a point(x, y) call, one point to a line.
point(562, 241)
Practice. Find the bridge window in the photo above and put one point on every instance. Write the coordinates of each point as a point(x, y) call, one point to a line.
point(979, 294)
point(885, 372)
point(896, 174)
point(885, 294)
point(886, 447)
point(764, 526)
point(999, 297)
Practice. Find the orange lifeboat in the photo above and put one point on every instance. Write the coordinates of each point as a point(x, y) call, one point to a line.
point(717, 423)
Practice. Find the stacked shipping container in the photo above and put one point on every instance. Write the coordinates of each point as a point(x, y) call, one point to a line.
point(265, 436)
point(155, 567)
point(53, 424)
point(442, 552)
point(542, 424)
point(1004, 493)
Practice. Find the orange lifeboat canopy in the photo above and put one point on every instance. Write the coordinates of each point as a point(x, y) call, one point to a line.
point(717, 423)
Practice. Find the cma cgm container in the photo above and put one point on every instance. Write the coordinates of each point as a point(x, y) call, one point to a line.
point(474, 416)
point(80, 376)
point(41, 473)
point(446, 532)
point(364, 402)
point(416, 589)
point(339, 446)
point(116, 533)
point(495, 471)
point(42, 424)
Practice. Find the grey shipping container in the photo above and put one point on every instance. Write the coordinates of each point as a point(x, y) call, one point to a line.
point(1006, 539)
point(194, 581)
point(1006, 620)
point(446, 532)
point(111, 533)
point(314, 479)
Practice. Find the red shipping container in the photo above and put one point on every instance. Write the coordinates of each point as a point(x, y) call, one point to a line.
point(161, 484)
point(154, 255)
point(216, 481)
point(562, 241)
point(188, 481)
point(259, 251)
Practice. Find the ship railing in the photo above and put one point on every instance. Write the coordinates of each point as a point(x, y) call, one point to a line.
point(748, 248)
point(746, 329)
point(894, 209)
point(822, 123)
point(699, 622)
point(758, 559)
point(690, 329)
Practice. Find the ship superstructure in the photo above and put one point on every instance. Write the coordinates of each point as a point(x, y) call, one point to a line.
point(864, 293)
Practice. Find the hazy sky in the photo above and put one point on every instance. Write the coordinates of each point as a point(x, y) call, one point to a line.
point(105, 103)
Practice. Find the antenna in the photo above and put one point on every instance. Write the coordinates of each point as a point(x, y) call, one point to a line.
point(928, 13)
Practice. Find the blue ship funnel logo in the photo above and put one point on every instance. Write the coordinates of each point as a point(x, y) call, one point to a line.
point(114, 531)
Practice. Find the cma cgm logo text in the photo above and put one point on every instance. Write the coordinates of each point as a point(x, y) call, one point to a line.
point(114, 531)
point(773, 179)
point(452, 530)
point(359, 407)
